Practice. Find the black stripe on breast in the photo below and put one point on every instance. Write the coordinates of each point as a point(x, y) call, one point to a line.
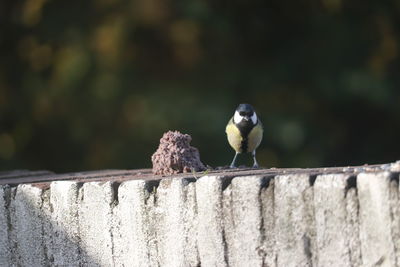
point(245, 128)
point(244, 145)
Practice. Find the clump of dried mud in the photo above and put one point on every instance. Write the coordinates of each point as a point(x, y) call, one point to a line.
point(175, 155)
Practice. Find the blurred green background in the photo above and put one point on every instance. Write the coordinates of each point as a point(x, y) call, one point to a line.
point(94, 84)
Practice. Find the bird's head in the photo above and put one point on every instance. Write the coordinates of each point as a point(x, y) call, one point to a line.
point(245, 113)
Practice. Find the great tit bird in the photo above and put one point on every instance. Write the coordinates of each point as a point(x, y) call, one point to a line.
point(244, 131)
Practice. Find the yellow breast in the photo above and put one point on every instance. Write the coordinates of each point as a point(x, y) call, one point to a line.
point(255, 137)
point(234, 136)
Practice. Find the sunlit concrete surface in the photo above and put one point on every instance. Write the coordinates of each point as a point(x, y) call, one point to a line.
point(293, 217)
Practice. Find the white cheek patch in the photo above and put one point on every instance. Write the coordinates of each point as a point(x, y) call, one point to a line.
point(254, 118)
point(237, 117)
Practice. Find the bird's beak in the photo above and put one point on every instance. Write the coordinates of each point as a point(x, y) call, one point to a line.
point(247, 118)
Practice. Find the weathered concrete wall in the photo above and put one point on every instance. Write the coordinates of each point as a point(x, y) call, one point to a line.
point(299, 218)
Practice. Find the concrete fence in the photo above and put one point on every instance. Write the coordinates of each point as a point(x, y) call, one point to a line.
point(270, 217)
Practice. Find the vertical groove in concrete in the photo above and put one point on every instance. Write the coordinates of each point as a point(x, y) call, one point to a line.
point(352, 227)
point(47, 227)
point(151, 217)
point(12, 233)
point(377, 246)
point(64, 224)
point(121, 236)
point(294, 223)
point(228, 225)
point(190, 219)
point(95, 220)
point(310, 247)
point(268, 249)
point(330, 220)
point(27, 220)
point(395, 215)
point(243, 221)
point(210, 235)
point(5, 246)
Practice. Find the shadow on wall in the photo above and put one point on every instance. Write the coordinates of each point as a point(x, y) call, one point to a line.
point(45, 229)
point(75, 224)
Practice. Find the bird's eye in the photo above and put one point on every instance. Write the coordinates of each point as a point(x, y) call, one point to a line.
point(245, 113)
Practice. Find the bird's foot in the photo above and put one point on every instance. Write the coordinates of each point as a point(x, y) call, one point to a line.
point(255, 166)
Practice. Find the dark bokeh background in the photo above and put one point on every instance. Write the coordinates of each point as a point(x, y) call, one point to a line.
point(94, 84)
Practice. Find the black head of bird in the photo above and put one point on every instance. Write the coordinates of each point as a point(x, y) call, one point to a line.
point(244, 131)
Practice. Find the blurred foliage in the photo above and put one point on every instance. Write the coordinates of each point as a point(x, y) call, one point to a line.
point(94, 84)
